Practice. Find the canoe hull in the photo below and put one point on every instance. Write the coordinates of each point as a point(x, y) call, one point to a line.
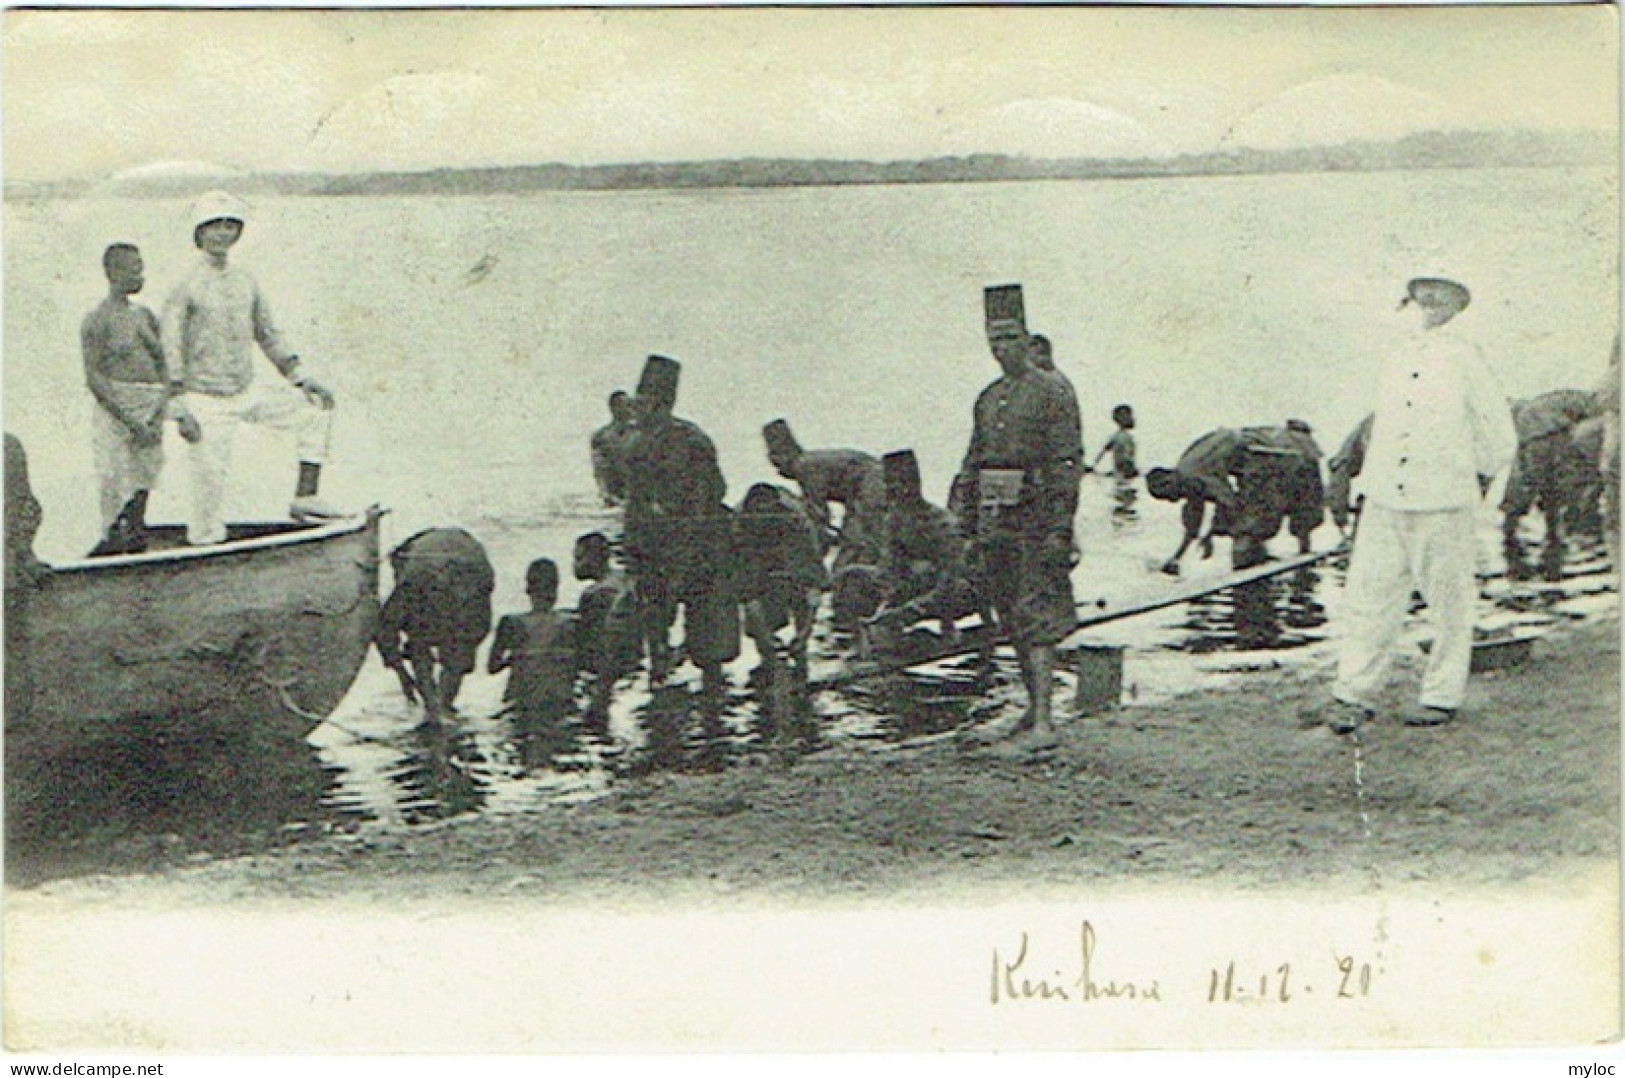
point(270, 629)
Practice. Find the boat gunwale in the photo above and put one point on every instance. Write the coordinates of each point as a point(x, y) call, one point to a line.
point(351, 525)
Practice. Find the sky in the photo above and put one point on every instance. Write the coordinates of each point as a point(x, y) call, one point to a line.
point(98, 93)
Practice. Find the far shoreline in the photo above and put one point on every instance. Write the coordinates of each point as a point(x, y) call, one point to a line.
point(1428, 151)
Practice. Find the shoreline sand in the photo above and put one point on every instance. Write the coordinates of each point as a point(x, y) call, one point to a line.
point(1230, 786)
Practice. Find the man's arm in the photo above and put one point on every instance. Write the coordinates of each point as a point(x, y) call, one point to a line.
point(1066, 425)
point(391, 622)
point(270, 340)
point(93, 345)
point(268, 336)
point(1495, 438)
point(814, 484)
point(152, 340)
point(172, 335)
point(1350, 457)
point(1059, 472)
point(1343, 467)
point(1191, 515)
point(600, 463)
point(501, 656)
point(1100, 456)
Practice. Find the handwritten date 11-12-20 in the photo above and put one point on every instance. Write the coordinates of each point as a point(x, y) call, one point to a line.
point(1347, 978)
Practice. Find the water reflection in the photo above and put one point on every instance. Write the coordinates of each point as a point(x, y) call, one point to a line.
point(1125, 505)
point(1279, 613)
point(379, 764)
point(146, 795)
point(918, 703)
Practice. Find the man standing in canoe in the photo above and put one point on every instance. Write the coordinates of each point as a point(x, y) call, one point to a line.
point(210, 322)
point(125, 372)
point(1441, 428)
point(679, 533)
point(1017, 493)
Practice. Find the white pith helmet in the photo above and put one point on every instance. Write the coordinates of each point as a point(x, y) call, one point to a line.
point(218, 206)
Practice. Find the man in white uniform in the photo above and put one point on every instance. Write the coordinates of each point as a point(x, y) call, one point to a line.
point(1441, 425)
point(209, 325)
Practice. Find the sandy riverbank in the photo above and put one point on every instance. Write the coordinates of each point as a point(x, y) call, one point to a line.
point(1233, 787)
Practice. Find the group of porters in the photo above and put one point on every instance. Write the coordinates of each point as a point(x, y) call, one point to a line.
point(759, 568)
point(896, 559)
point(1002, 549)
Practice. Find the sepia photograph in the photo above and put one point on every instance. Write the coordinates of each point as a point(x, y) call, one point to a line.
point(811, 529)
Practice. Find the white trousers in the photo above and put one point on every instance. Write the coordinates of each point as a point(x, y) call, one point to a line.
point(1395, 552)
point(275, 405)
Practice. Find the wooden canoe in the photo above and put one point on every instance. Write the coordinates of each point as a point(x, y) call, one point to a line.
point(269, 627)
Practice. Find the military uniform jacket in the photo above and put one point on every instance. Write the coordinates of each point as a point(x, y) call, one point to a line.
point(675, 515)
point(1028, 421)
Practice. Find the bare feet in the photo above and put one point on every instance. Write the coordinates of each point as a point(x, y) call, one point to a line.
point(1034, 741)
point(1001, 730)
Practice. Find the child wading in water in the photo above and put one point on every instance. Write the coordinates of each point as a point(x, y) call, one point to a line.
point(1124, 470)
point(538, 649)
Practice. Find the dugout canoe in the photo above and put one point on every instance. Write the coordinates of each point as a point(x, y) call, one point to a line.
point(269, 627)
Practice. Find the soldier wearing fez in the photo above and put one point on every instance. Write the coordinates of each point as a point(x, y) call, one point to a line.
point(924, 573)
point(1016, 493)
point(679, 533)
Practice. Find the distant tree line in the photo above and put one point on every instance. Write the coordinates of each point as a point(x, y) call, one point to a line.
point(1428, 150)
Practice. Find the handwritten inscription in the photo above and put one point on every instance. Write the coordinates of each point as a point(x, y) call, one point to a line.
point(1015, 981)
point(1346, 978)
point(1022, 975)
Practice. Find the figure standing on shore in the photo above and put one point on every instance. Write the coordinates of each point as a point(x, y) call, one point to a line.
point(210, 322)
point(679, 533)
point(1017, 493)
point(125, 372)
point(1440, 430)
point(609, 448)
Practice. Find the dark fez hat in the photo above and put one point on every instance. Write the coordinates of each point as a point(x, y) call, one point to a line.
point(902, 471)
point(1437, 292)
point(777, 435)
point(659, 378)
point(1003, 307)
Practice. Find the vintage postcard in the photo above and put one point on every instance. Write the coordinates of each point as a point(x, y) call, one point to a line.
point(811, 529)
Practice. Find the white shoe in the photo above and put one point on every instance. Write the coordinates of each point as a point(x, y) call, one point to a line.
point(311, 508)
